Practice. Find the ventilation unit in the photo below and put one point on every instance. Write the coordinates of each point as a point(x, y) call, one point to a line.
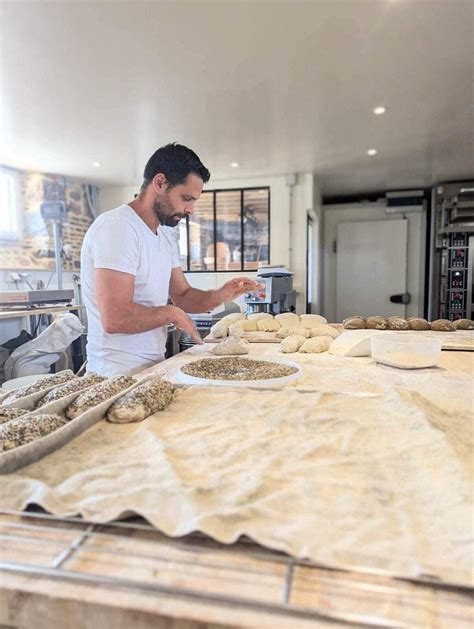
point(405, 201)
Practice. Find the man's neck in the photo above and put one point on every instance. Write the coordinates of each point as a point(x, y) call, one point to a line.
point(144, 208)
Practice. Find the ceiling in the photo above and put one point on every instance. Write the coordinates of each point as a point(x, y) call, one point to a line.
point(280, 87)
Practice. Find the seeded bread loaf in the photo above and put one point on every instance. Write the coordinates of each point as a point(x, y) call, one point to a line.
point(51, 380)
point(464, 324)
point(141, 402)
point(354, 323)
point(7, 413)
point(397, 323)
point(376, 323)
point(97, 394)
point(72, 386)
point(22, 430)
point(418, 323)
point(443, 325)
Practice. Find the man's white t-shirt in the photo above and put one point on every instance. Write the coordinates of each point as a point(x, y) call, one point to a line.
point(120, 240)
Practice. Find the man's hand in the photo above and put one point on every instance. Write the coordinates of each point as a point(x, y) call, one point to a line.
point(236, 287)
point(183, 322)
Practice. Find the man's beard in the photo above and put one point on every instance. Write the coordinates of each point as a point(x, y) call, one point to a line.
point(169, 220)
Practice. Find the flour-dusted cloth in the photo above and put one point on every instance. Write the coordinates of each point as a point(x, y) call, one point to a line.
point(353, 465)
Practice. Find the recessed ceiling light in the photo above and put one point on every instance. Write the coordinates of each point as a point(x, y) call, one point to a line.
point(372, 152)
point(235, 164)
point(96, 164)
point(378, 111)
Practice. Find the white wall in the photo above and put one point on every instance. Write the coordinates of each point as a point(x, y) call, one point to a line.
point(288, 209)
point(365, 211)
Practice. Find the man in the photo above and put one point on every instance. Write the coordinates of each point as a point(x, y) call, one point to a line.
point(130, 267)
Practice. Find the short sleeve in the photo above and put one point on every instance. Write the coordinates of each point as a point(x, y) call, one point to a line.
point(115, 246)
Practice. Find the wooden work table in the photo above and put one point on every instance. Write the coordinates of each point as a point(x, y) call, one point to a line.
point(70, 573)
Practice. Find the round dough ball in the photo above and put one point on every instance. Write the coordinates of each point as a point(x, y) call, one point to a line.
point(219, 330)
point(398, 323)
point(464, 324)
point(418, 323)
point(311, 321)
point(325, 330)
point(376, 323)
point(233, 346)
point(316, 345)
point(287, 319)
point(292, 331)
point(354, 323)
point(233, 317)
point(443, 325)
point(268, 325)
point(259, 316)
point(292, 344)
point(242, 326)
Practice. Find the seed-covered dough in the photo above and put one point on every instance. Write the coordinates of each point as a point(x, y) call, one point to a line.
point(259, 316)
point(141, 402)
point(51, 380)
point(292, 344)
point(418, 323)
point(376, 323)
point(268, 325)
point(22, 430)
point(72, 386)
point(323, 329)
point(354, 323)
point(232, 346)
point(397, 323)
point(464, 324)
point(292, 331)
point(311, 320)
point(316, 345)
point(443, 325)
point(8, 412)
point(97, 394)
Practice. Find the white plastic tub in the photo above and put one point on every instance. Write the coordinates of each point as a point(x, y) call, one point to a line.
point(405, 351)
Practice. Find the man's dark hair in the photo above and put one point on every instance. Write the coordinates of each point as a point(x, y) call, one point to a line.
point(176, 162)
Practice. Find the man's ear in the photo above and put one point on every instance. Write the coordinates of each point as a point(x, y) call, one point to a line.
point(160, 182)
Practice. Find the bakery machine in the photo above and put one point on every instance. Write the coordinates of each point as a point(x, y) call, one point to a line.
point(276, 293)
point(29, 299)
point(452, 252)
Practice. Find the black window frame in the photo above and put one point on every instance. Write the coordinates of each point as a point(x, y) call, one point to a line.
point(242, 262)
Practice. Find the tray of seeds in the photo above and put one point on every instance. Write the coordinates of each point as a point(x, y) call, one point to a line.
point(239, 372)
point(27, 436)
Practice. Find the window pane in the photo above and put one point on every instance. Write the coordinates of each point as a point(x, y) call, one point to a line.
point(201, 234)
point(256, 228)
point(229, 241)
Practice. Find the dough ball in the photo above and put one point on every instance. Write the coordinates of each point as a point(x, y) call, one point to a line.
point(292, 331)
point(464, 324)
point(232, 346)
point(287, 319)
point(219, 330)
point(311, 321)
point(323, 329)
point(268, 325)
point(233, 317)
point(443, 325)
point(376, 323)
point(237, 329)
point(354, 323)
point(259, 316)
point(316, 345)
point(292, 344)
point(417, 323)
point(398, 323)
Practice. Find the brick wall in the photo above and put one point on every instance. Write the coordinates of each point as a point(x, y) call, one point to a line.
point(36, 249)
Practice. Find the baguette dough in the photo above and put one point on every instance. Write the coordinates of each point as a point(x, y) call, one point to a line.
point(268, 325)
point(136, 405)
point(311, 320)
point(258, 316)
point(237, 329)
point(287, 319)
point(220, 329)
point(233, 346)
point(323, 329)
point(298, 330)
point(233, 317)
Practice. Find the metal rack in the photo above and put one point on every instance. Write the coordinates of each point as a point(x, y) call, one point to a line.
point(133, 556)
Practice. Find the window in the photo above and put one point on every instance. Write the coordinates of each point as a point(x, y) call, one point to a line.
point(229, 231)
point(10, 205)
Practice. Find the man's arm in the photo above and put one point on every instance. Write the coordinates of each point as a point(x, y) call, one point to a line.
point(195, 300)
point(119, 314)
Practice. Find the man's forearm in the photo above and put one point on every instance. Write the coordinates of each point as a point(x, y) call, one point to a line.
point(135, 318)
point(195, 300)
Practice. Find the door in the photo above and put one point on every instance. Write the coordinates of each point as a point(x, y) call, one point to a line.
point(309, 264)
point(371, 267)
